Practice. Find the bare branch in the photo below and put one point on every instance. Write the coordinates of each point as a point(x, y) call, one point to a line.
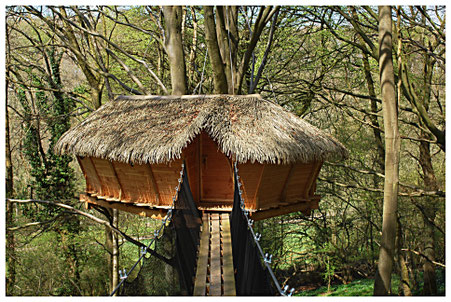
point(424, 256)
point(418, 193)
point(129, 71)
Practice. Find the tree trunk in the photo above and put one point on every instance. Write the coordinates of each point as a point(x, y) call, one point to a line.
point(430, 284)
point(160, 67)
point(112, 246)
point(193, 53)
point(373, 118)
point(89, 72)
point(223, 35)
point(429, 213)
point(10, 241)
point(8, 160)
point(382, 284)
point(174, 48)
point(232, 27)
point(263, 18)
point(430, 183)
point(115, 255)
point(109, 250)
point(219, 76)
point(265, 56)
point(404, 284)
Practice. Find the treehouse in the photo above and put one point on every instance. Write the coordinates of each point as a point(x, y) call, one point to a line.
point(131, 151)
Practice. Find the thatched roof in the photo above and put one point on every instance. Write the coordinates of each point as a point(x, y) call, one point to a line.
point(155, 129)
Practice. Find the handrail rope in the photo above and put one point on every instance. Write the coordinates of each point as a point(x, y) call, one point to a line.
point(124, 274)
point(256, 236)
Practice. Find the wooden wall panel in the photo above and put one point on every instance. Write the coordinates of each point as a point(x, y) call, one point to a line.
point(312, 189)
point(271, 185)
point(300, 182)
point(250, 175)
point(211, 180)
point(124, 180)
point(217, 176)
point(106, 174)
point(166, 176)
point(136, 183)
point(93, 184)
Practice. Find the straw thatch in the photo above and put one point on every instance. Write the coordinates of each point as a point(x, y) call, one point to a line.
point(152, 129)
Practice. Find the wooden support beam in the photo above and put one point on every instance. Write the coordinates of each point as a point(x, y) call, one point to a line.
point(144, 211)
point(312, 178)
point(199, 164)
point(222, 201)
point(222, 206)
point(121, 188)
point(88, 185)
point(154, 183)
point(258, 187)
point(81, 166)
point(95, 175)
point(283, 195)
point(102, 185)
point(315, 178)
point(304, 207)
point(314, 203)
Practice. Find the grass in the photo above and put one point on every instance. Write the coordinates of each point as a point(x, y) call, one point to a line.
point(364, 287)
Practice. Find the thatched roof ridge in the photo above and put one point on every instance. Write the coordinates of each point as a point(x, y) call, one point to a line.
point(155, 129)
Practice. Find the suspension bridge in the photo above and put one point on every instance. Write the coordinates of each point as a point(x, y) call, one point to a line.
point(221, 254)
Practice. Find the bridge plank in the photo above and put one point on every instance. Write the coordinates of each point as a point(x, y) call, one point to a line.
point(227, 259)
point(215, 257)
point(215, 273)
point(202, 260)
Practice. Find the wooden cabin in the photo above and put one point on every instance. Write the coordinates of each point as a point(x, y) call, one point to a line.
point(131, 151)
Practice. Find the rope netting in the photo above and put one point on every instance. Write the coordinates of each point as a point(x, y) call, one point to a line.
point(251, 277)
point(157, 276)
point(170, 267)
point(186, 224)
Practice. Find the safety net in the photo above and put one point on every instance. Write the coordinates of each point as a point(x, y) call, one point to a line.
point(187, 224)
point(158, 275)
point(170, 267)
point(251, 278)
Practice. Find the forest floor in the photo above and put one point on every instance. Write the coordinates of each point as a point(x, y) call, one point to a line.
point(363, 287)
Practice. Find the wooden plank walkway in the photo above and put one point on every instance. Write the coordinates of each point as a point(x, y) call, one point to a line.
point(214, 274)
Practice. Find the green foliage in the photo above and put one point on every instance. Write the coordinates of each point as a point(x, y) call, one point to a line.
point(46, 116)
point(52, 177)
point(43, 269)
point(329, 271)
